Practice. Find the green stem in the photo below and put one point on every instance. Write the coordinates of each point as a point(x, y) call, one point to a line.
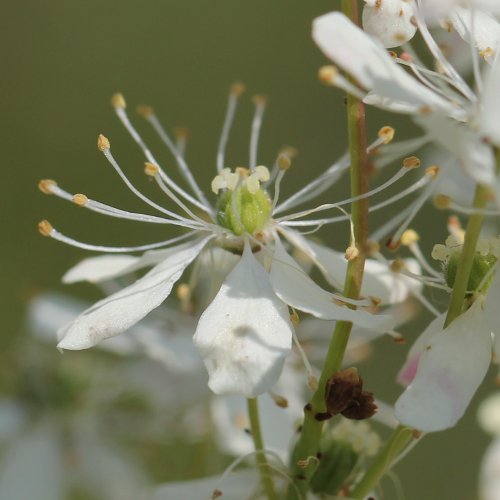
point(396, 444)
point(472, 232)
point(303, 461)
point(265, 470)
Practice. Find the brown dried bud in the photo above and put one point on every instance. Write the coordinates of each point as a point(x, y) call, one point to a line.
point(341, 389)
point(344, 394)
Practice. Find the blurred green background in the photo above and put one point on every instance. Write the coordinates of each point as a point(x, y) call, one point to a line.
point(62, 60)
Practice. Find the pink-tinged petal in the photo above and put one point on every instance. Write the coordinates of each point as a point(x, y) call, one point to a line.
point(245, 334)
point(120, 311)
point(295, 288)
point(409, 369)
point(450, 369)
point(367, 61)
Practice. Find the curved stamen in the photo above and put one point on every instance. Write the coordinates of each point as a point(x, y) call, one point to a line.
point(47, 230)
point(260, 106)
point(232, 102)
point(184, 169)
point(122, 115)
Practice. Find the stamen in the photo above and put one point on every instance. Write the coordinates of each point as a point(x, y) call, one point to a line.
point(280, 401)
point(107, 153)
point(386, 134)
point(283, 163)
point(395, 150)
point(455, 228)
point(312, 381)
point(179, 157)
point(80, 199)
point(331, 76)
point(444, 202)
point(46, 229)
point(236, 90)
point(260, 103)
point(47, 186)
point(410, 239)
point(122, 115)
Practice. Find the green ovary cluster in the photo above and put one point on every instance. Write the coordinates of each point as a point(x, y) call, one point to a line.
point(253, 210)
point(481, 266)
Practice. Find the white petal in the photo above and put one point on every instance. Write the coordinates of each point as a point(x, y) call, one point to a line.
point(409, 369)
point(95, 269)
point(295, 288)
point(484, 29)
point(368, 62)
point(450, 369)
point(474, 156)
point(120, 311)
point(492, 312)
point(245, 333)
point(237, 486)
point(489, 119)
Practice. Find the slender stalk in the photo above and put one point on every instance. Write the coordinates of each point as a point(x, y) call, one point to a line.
point(474, 224)
point(395, 445)
point(303, 461)
point(265, 470)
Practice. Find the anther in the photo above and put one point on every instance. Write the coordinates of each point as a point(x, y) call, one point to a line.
point(386, 134)
point(392, 54)
point(411, 162)
point(312, 382)
point(46, 186)
point(441, 201)
point(145, 111)
point(409, 237)
point(259, 100)
point(151, 169)
point(371, 247)
point(432, 171)
point(103, 143)
point(45, 228)
point(393, 245)
point(237, 88)
point(118, 101)
point(397, 265)
point(351, 253)
point(183, 292)
point(80, 199)
point(327, 74)
point(284, 162)
point(181, 133)
point(294, 318)
point(280, 401)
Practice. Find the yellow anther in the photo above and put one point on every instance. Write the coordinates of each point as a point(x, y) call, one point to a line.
point(80, 199)
point(289, 151)
point(237, 88)
point(284, 162)
point(397, 265)
point(425, 110)
point(386, 134)
point(393, 54)
point(432, 171)
point(145, 111)
point(242, 171)
point(441, 201)
point(259, 100)
point(151, 169)
point(45, 228)
point(118, 101)
point(280, 401)
point(46, 186)
point(181, 133)
point(351, 253)
point(103, 143)
point(312, 382)
point(409, 237)
point(411, 162)
point(294, 318)
point(184, 292)
point(328, 74)
point(487, 53)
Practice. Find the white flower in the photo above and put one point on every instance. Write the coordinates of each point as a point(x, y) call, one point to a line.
point(245, 333)
point(463, 122)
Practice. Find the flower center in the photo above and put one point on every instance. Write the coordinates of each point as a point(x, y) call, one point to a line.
point(243, 206)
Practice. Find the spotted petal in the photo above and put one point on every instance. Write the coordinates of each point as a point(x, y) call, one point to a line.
point(245, 333)
point(450, 369)
point(120, 311)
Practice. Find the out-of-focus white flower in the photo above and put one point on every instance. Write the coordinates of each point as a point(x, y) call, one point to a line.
point(245, 333)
